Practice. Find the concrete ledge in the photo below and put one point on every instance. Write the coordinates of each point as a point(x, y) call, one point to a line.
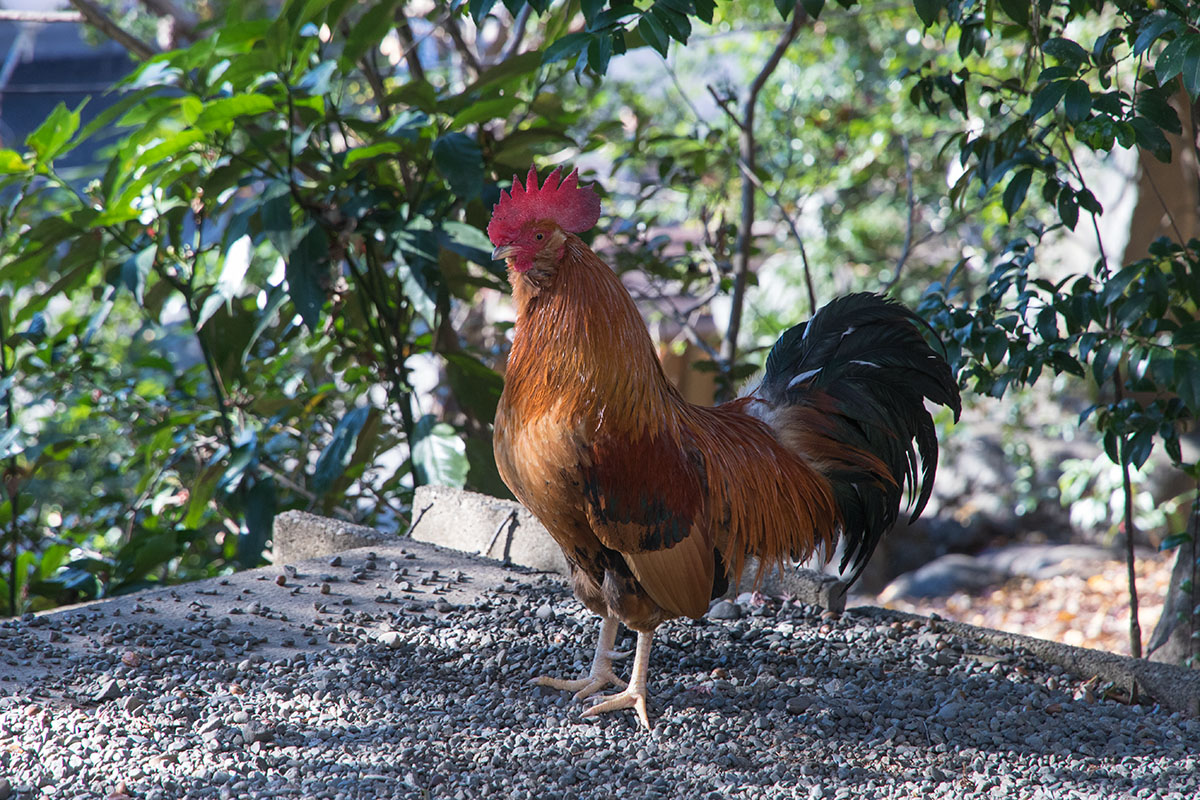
point(1172, 687)
point(484, 526)
point(298, 535)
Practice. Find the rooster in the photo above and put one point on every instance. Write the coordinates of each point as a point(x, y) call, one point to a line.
point(655, 501)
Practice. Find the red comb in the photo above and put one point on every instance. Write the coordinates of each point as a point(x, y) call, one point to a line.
point(574, 208)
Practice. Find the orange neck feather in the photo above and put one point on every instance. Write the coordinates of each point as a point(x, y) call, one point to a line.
point(581, 348)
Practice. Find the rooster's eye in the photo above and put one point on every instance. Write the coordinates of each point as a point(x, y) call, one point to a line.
point(539, 237)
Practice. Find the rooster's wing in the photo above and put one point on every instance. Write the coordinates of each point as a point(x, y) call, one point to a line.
point(645, 497)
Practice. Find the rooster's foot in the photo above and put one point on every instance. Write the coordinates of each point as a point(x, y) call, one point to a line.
point(633, 697)
point(584, 687)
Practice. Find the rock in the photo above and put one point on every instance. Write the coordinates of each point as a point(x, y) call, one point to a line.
point(724, 609)
point(799, 704)
point(107, 691)
point(390, 639)
point(1041, 561)
point(942, 577)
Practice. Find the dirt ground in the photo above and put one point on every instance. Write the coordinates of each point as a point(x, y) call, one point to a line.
point(1083, 611)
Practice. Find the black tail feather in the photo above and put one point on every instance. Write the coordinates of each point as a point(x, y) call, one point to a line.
point(864, 357)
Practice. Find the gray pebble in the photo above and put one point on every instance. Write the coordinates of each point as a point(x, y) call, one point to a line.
point(724, 609)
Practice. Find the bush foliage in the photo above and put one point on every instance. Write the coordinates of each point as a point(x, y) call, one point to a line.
point(232, 315)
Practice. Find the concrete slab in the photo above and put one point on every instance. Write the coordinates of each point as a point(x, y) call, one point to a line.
point(484, 526)
point(274, 612)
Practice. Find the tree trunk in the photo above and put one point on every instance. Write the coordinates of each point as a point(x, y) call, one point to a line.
point(1174, 639)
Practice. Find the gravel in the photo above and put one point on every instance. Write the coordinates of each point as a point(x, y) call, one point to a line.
point(265, 688)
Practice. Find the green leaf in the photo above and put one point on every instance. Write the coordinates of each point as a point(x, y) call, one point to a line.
point(439, 456)
point(653, 34)
point(1068, 208)
point(218, 112)
point(1017, 10)
point(813, 7)
point(599, 52)
point(476, 386)
point(484, 110)
point(1153, 26)
point(368, 31)
point(460, 161)
point(468, 241)
point(1046, 98)
point(11, 162)
point(674, 23)
point(419, 291)
point(1014, 193)
point(1187, 381)
point(337, 454)
point(48, 139)
point(258, 501)
point(1139, 447)
point(1175, 540)
point(1154, 105)
point(1077, 101)
point(927, 10)
point(1066, 51)
point(705, 9)
point(306, 271)
point(1176, 56)
point(371, 151)
point(784, 7)
point(480, 9)
point(568, 46)
point(591, 8)
point(136, 268)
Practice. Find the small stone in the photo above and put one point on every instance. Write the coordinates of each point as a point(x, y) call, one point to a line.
point(799, 704)
point(336, 561)
point(725, 610)
point(107, 691)
point(544, 612)
point(390, 639)
point(325, 589)
point(281, 580)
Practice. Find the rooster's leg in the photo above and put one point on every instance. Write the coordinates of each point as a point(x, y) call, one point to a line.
point(601, 674)
point(634, 695)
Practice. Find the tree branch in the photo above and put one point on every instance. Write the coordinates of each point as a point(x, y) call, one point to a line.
point(741, 260)
point(409, 42)
point(96, 17)
point(518, 32)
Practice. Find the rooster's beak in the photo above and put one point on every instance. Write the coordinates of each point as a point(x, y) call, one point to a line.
point(504, 251)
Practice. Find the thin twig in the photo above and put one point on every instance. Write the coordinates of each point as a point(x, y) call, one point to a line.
point(1135, 628)
point(724, 103)
point(774, 198)
point(96, 17)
